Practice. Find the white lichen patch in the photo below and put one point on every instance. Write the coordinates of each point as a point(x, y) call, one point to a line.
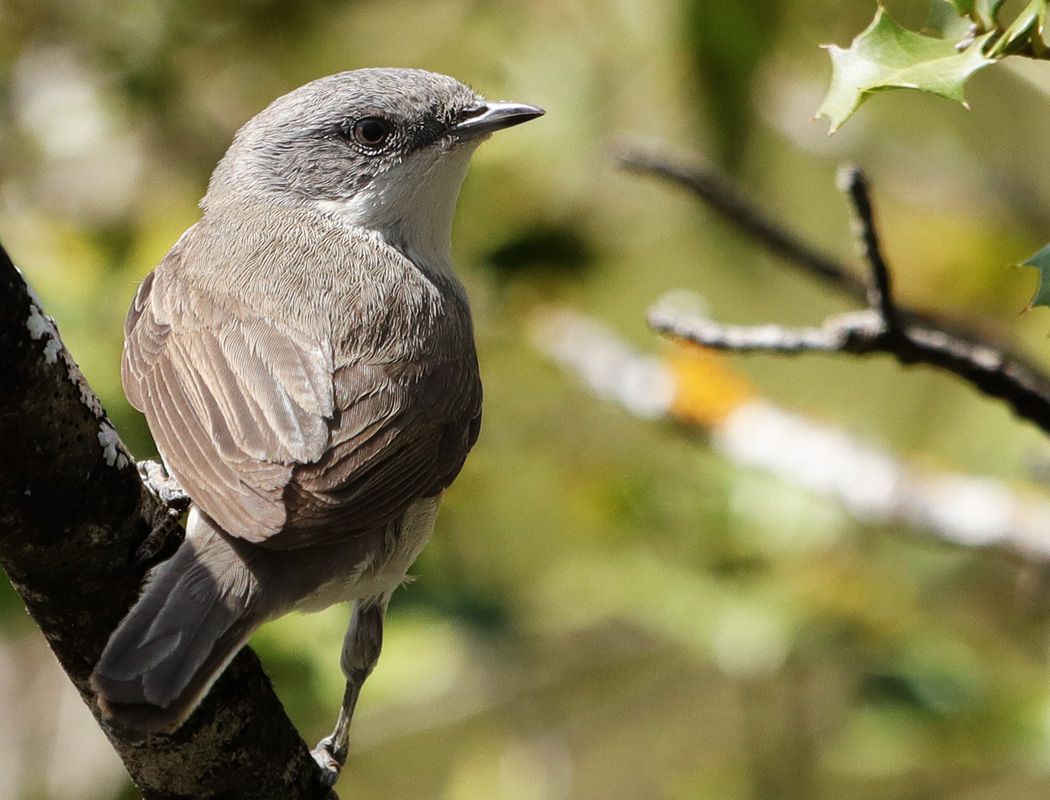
point(112, 448)
point(41, 326)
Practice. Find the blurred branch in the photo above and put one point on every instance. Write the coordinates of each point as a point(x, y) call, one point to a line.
point(700, 389)
point(724, 197)
point(911, 337)
point(72, 511)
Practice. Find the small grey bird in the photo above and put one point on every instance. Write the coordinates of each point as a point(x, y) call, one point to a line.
point(305, 360)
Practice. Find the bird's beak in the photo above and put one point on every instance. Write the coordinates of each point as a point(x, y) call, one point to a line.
point(487, 116)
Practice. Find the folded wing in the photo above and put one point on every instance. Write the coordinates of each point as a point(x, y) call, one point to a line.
point(269, 437)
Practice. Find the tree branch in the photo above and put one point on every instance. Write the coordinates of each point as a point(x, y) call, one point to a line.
point(865, 333)
point(722, 196)
point(909, 336)
point(880, 292)
point(72, 513)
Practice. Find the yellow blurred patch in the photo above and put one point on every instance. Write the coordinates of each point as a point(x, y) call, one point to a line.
point(707, 386)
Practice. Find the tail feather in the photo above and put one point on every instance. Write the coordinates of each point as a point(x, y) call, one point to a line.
point(193, 616)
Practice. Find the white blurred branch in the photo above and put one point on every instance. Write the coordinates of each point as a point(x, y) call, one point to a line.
point(873, 485)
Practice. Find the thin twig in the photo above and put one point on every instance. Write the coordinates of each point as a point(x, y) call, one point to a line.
point(865, 333)
point(880, 292)
point(913, 337)
point(859, 332)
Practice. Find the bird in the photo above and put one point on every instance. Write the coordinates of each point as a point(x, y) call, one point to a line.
point(304, 356)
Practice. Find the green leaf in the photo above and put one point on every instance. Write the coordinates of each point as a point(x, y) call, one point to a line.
point(1041, 261)
point(1027, 29)
point(946, 21)
point(984, 12)
point(988, 13)
point(887, 56)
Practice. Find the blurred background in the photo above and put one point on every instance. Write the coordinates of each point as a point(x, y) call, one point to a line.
point(609, 607)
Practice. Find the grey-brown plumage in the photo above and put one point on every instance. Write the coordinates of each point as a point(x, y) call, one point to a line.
point(304, 357)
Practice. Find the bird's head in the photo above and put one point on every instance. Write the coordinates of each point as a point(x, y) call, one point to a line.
point(381, 149)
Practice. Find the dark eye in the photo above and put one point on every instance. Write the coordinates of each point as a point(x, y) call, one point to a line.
point(372, 131)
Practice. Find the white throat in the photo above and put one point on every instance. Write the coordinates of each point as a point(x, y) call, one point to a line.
point(411, 205)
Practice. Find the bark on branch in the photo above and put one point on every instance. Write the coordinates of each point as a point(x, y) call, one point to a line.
point(72, 512)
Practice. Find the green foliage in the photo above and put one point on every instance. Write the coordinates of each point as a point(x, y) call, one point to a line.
point(983, 12)
point(1041, 261)
point(887, 56)
point(727, 42)
point(1025, 35)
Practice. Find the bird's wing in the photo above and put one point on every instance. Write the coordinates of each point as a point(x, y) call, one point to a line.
point(268, 438)
point(232, 400)
point(403, 434)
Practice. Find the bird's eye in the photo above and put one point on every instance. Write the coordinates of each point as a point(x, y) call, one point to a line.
point(372, 131)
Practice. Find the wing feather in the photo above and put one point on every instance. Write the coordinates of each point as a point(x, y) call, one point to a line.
point(272, 441)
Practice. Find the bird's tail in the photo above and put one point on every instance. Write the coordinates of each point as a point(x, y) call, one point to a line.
point(195, 613)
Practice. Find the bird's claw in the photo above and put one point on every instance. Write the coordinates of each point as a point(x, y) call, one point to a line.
point(330, 759)
point(164, 516)
point(161, 485)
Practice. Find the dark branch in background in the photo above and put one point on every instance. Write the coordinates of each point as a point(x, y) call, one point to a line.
point(73, 512)
point(909, 336)
point(719, 192)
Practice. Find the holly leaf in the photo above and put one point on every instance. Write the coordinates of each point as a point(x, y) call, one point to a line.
point(1026, 32)
point(887, 56)
point(987, 12)
point(947, 21)
point(984, 12)
point(1041, 261)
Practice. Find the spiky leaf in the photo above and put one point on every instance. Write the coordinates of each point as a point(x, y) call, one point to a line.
point(1025, 34)
point(887, 56)
point(1041, 261)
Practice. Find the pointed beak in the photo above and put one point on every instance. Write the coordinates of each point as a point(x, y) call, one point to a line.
point(487, 116)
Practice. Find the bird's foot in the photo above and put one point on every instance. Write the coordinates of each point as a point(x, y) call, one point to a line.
point(330, 757)
point(162, 485)
point(164, 516)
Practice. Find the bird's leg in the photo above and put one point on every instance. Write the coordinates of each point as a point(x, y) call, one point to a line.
point(173, 503)
point(364, 640)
